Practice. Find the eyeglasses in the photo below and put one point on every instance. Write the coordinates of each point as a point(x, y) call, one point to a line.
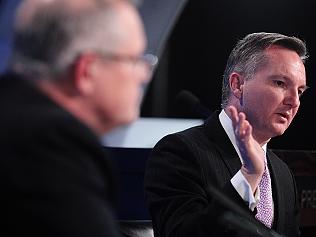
point(148, 60)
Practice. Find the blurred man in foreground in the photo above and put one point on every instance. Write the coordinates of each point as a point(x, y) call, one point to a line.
point(76, 72)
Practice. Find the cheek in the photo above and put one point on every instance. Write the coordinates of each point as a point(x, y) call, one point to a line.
point(127, 99)
point(123, 95)
point(130, 91)
point(260, 105)
point(263, 98)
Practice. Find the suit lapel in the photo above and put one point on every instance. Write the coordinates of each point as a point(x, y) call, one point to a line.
point(216, 133)
point(276, 187)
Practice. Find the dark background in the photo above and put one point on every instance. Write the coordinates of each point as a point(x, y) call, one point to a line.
point(196, 51)
point(195, 44)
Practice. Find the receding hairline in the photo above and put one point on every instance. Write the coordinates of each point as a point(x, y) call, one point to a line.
point(269, 39)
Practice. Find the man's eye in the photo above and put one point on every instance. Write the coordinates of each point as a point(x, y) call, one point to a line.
point(279, 83)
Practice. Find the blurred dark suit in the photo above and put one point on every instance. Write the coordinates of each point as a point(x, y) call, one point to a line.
point(47, 177)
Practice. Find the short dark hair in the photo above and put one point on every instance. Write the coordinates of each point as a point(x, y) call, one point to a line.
point(248, 56)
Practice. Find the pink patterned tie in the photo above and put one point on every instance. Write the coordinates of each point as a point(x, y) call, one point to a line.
point(265, 205)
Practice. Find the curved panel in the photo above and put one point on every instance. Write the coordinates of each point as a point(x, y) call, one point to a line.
point(159, 18)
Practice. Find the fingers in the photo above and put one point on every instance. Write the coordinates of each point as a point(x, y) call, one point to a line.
point(250, 151)
point(234, 114)
point(242, 127)
point(248, 130)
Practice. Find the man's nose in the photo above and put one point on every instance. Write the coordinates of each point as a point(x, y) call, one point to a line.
point(292, 98)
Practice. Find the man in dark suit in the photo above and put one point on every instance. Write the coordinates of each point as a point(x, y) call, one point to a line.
point(191, 174)
point(76, 72)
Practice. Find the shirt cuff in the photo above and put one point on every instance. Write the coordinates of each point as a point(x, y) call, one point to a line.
point(244, 189)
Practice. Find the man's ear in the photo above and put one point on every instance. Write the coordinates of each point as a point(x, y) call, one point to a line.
point(84, 72)
point(236, 82)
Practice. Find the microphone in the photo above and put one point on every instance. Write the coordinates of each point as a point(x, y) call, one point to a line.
point(188, 104)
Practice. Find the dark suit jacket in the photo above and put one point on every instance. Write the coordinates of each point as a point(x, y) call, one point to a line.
point(182, 168)
point(55, 177)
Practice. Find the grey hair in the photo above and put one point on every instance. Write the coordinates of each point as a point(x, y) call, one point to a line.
point(50, 43)
point(248, 56)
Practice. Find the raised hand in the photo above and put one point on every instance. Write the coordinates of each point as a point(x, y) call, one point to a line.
point(250, 150)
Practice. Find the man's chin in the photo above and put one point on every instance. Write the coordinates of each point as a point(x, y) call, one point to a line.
point(279, 131)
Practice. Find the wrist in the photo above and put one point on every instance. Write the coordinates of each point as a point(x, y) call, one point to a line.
point(252, 177)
